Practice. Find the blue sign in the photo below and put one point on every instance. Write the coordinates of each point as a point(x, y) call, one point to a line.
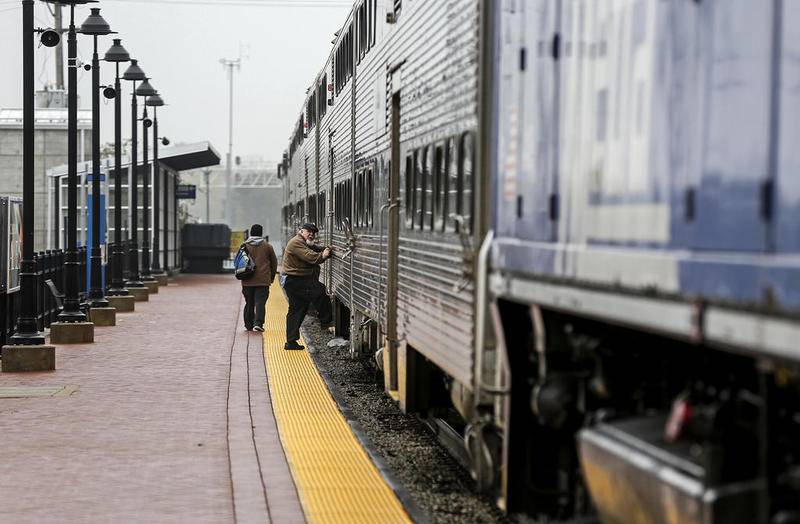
point(186, 192)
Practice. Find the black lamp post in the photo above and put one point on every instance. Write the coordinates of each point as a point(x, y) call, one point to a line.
point(117, 55)
point(27, 332)
point(135, 74)
point(96, 26)
point(72, 305)
point(155, 102)
point(145, 90)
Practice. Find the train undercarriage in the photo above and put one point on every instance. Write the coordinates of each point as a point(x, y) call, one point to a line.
point(591, 420)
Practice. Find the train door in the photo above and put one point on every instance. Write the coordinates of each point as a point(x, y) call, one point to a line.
point(734, 196)
point(393, 244)
point(787, 235)
point(535, 194)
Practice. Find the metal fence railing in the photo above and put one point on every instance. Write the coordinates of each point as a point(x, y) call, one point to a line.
point(50, 267)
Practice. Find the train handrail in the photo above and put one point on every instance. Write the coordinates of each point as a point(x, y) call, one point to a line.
point(481, 300)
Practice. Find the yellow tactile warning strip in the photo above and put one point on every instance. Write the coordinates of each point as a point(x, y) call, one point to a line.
point(336, 480)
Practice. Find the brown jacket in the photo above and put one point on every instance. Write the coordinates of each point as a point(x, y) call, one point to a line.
point(301, 259)
point(265, 260)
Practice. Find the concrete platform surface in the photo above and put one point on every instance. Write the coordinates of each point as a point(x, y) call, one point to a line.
point(165, 416)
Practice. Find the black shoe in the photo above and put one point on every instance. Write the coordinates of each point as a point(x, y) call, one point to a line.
point(293, 345)
point(249, 328)
point(259, 329)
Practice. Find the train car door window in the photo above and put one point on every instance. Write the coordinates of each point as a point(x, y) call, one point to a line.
point(467, 162)
point(337, 216)
point(409, 189)
point(360, 197)
point(453, 204)
point(428, 189)
point(419, 190)
point(370, 197)
point(440, 188)
point(348, 201)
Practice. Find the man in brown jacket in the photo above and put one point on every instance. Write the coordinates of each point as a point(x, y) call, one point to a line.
point(301, 261)
point(256, 288)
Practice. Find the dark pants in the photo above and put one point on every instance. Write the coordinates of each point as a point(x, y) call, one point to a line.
point(255, 301)
point(301, 293)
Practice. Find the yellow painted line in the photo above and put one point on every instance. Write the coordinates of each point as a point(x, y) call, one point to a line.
point(336, 480)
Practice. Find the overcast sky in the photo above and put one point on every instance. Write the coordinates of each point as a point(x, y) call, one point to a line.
point(179, 45)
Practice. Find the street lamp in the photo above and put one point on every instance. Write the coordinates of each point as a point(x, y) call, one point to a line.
point(71, 313)
point(134, 74)
point(117, 55)
point(155, 101)
point(145, 90)
point(26, 350)
point(96, 26)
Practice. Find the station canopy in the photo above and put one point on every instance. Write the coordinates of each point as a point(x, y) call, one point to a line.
point(181, 157)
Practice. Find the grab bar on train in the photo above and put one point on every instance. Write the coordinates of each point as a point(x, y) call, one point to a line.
point(481, 299)
point(385, 207)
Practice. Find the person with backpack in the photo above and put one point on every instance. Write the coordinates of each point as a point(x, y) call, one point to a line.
point(255, 288)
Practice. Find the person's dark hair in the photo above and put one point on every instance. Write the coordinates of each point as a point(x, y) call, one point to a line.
point(256, 230)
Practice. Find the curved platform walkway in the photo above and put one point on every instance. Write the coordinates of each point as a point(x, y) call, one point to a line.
point(167, 417)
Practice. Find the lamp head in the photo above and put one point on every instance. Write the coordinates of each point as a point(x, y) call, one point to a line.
point(71, 2)
point(154, 101)
point(165, 141)
point(145, 89)
point(117, 53)
point(134, 72)
point(95, 24)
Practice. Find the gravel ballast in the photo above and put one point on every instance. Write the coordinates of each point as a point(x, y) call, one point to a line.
point(430, 482)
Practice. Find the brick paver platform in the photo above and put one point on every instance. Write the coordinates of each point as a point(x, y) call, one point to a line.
point(166, 418)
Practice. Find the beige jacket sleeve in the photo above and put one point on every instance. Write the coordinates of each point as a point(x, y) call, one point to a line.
point(303, 252)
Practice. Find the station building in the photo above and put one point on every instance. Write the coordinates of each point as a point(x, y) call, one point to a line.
point(172, 161)
point(50, 151)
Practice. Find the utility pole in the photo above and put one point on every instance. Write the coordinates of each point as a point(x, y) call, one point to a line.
point(59, 50)
point(231, 65)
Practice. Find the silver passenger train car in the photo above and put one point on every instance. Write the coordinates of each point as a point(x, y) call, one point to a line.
point(567, 230)
point(382, 158)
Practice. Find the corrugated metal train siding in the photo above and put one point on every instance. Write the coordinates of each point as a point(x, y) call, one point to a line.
point(439, 43)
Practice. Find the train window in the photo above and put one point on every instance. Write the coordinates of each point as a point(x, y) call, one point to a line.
point(359, 198)
point(363, 199)
point(321, 209)
point(452, 205)
point(371, 197)
point(322, 97)
point(467, 158)
point(347, 201)
point(337, 203)
point(428, 189)
point(439, 189)
point(362, 31)
point(419, 189)
point(372, 18)
point(356, 191)
point(409, 187)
